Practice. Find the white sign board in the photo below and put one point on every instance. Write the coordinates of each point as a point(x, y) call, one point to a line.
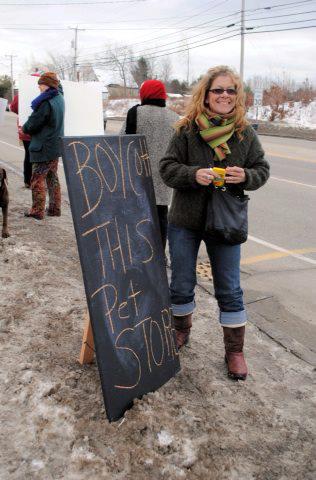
point(257, 98)
point(83, 108)
point(83, 105)
point(28, 90)
point(3, 105)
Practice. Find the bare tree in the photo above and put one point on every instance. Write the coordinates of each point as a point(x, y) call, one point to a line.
point(258, 81)
point(165, 69)
point(265, 82)
point(153, 66)
point(61, 64)
point(118, 58)
point(305, 93)
point(275, 97)
point(54, 62)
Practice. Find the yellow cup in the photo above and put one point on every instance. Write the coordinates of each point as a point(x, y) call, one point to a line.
point(219, 180)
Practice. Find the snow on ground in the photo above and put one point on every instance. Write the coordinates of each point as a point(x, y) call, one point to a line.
point(118, 107)
point(296, 114)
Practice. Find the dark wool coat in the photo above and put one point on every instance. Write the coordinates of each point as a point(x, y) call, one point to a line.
point(46, 125)
point(188, 152)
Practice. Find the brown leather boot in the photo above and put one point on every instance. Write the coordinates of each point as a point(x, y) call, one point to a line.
point(234, 357)
point(183, 326)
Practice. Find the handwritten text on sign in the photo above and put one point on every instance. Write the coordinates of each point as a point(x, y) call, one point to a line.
point(114, 212)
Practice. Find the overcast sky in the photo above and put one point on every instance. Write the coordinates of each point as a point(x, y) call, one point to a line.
point(158, 27)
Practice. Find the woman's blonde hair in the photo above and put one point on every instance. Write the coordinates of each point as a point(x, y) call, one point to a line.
point(197, 105)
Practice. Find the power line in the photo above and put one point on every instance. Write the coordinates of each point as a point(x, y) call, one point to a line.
point(158, 53)
point(202, 25)
point(157, 49)
point(99, 63)
point(150, 40)
point(102, 64)
point(284, 29)
point(28, 27)
point(155, 52)
point(53, 29)
point(284, 23)
point(215, 20)
point(69, 3)
point(281, 16)
point(165, 36)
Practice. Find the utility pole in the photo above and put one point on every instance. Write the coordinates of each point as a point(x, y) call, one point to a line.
point(242, 40)
point(188, 68)
point(11, 74)
point(75, 47)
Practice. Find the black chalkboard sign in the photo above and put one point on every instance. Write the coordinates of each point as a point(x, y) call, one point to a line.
point(114, 212)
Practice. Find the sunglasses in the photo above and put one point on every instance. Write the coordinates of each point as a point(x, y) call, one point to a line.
point(220, 91)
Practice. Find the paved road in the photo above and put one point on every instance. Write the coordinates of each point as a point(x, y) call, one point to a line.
point(279, 259)
point(283, 214)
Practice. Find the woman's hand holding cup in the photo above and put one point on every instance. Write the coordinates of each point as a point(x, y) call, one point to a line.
point(204, 176)
point(235, 175)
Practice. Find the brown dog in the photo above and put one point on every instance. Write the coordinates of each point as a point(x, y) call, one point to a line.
point(4, 201)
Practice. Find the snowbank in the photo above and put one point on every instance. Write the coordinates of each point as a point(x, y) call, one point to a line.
point(296, 114)
point(119, 106)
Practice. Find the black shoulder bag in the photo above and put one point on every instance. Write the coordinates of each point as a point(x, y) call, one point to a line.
point(227, 217)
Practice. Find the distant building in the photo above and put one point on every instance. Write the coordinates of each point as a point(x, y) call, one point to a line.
point(117, 91)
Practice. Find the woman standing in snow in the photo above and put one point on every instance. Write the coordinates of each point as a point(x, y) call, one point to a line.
point(155, 121)
point(213, 132)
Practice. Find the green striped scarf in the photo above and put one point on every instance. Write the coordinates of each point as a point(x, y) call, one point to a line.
point(216, 136)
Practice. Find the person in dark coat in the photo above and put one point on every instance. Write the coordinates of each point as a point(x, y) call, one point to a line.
point(46, 126)
point(154, 120)
point(213, 133)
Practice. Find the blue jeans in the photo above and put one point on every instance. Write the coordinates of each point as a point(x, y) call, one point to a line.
point(225, 262)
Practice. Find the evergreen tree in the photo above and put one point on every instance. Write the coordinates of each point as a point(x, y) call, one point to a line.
point(5, 85)
point(140, 71)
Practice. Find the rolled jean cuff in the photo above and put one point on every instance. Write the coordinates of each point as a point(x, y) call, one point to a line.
point(180, 310)
point(233, 319)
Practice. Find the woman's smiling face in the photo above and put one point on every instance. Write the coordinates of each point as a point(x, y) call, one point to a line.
point(225, 102)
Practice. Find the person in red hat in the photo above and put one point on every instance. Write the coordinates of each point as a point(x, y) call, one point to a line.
point(155, 121)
